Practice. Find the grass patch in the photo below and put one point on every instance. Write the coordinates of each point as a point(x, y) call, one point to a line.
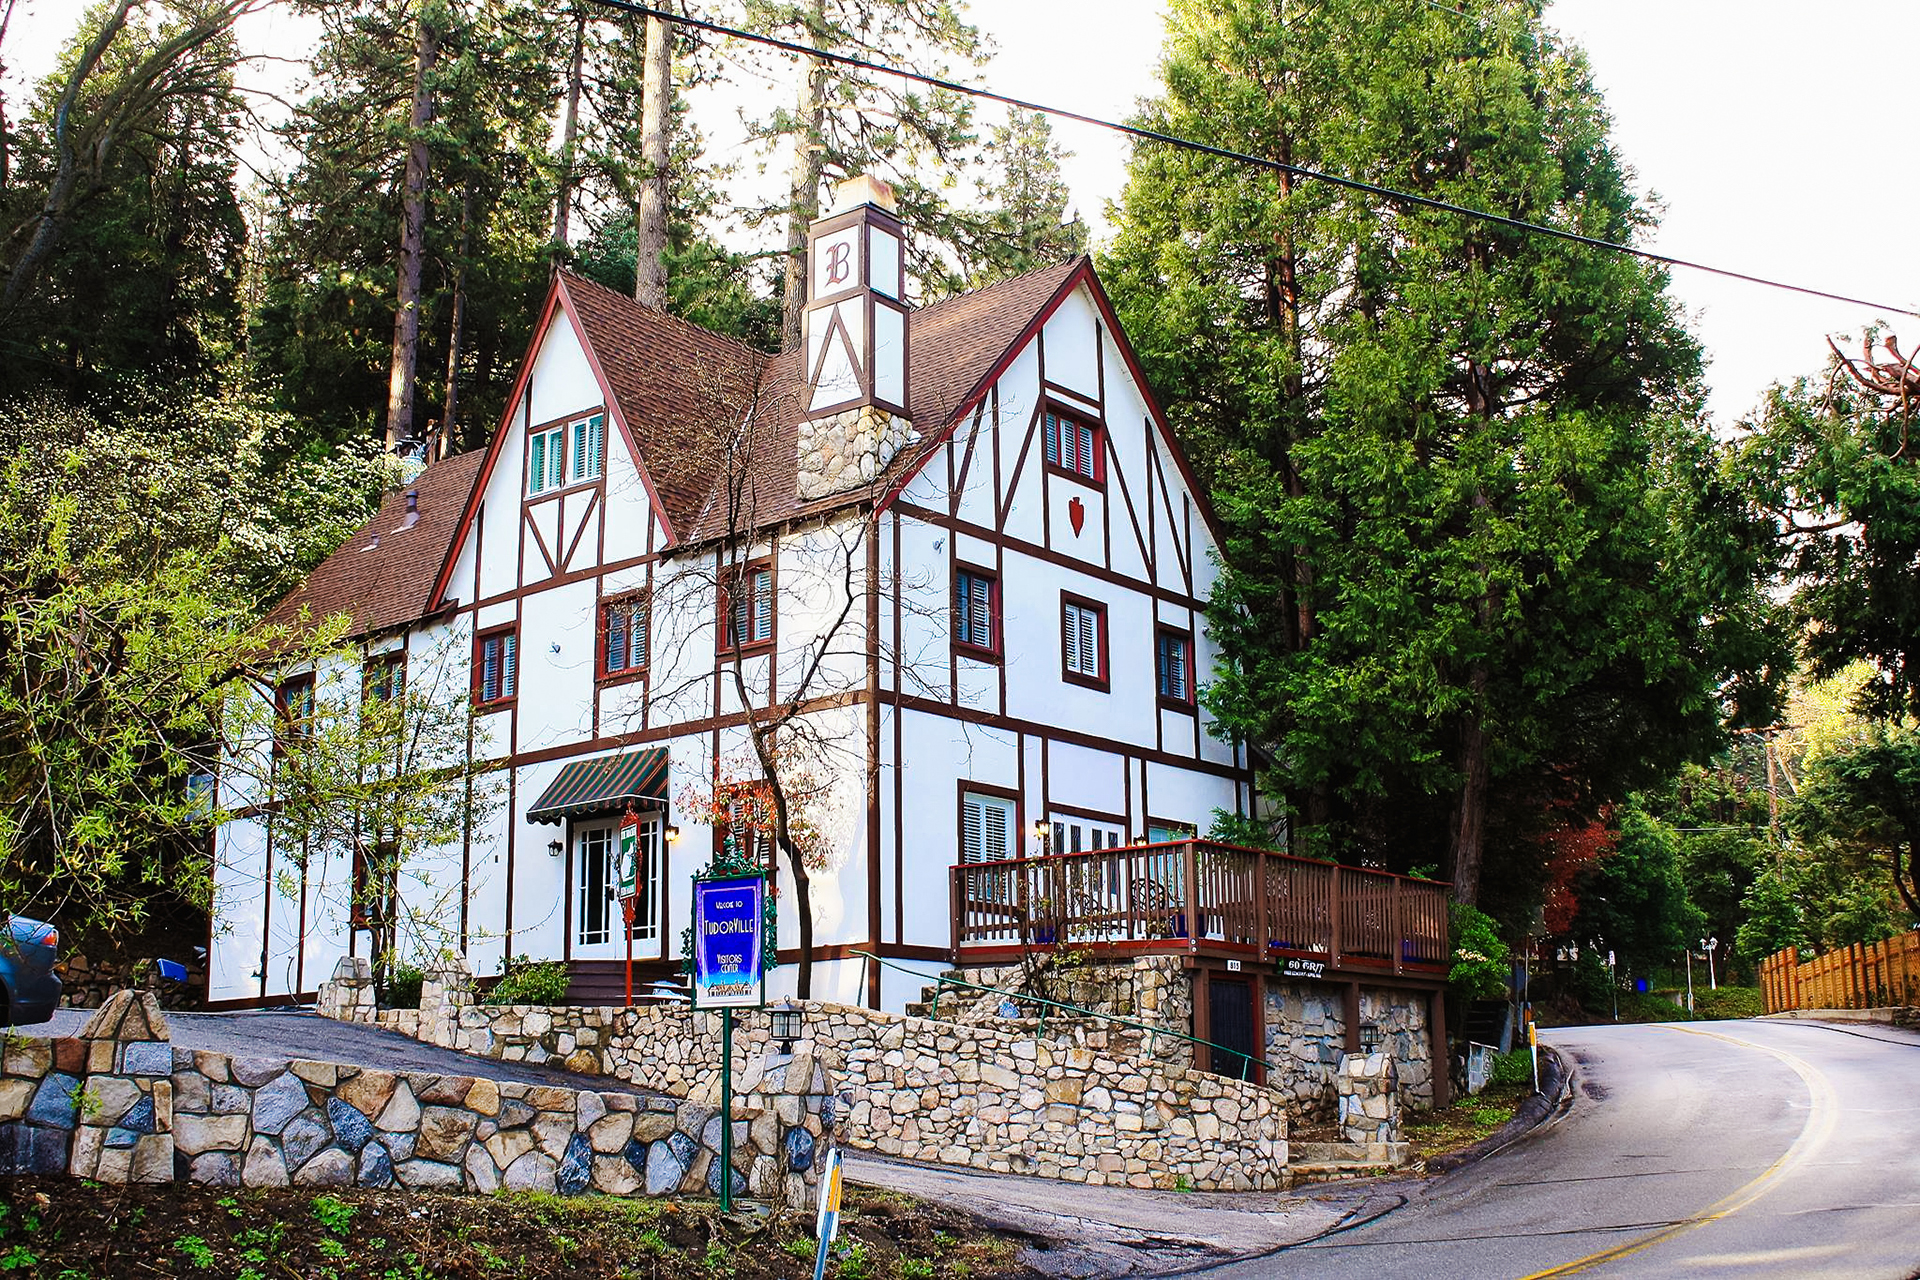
point(1437, 1133)
point(67, 1230)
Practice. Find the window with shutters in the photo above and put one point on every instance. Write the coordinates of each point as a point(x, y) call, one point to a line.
point(976, 612)
point(623, 637)
point(587, 448)
point(495, 655)
point(546, 460)
point(384, 678)
point(987, 827)
point(746, 608)
point(1173, 658)
point(1075, 445)
point(1083, 641)
point(293, 711)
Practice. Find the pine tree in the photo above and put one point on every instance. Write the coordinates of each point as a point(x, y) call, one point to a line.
point(843, 123)
point(336, 260)
point(1026, 198)
point(1481, 565)
point(118, 198)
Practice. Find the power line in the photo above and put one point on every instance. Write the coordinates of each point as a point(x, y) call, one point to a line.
point(1311, 175)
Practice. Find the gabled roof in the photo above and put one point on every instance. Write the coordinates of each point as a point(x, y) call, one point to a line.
point(382, 576)
point(680, 393)
point(671, 382)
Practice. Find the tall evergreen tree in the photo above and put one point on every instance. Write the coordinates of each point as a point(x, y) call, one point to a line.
point(843, 123)
point(1028, 217)
point(327, 327)
point(1481, 568)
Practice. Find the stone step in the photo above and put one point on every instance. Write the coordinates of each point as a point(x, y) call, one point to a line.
point(1347, 1155)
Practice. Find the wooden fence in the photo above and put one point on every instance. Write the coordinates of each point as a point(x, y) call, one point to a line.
point(1866, 975)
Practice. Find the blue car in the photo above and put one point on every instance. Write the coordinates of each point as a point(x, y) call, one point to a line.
point(28, 950)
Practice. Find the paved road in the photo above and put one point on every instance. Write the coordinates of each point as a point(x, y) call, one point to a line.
point(1706, 1149)
point(281, 1033)
point(1070, 1229)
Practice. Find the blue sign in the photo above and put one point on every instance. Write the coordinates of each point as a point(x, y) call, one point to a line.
point(728, 969)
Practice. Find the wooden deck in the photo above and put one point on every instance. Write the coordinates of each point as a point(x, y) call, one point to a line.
point(1201, 898)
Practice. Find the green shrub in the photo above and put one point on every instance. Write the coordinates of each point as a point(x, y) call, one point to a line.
point(1480, 958)
point(1512, 1068)
point(403, 987)
point(1729, 1002)
point(527, 982)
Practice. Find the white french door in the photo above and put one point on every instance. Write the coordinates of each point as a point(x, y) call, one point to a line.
point(597, 915)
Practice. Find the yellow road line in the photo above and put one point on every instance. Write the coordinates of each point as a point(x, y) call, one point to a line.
point(1822, 1116)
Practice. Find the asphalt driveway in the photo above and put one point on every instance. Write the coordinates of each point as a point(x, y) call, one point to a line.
point(288, 1033)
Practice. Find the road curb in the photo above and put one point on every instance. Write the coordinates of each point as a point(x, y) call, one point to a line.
point(1555, 1096)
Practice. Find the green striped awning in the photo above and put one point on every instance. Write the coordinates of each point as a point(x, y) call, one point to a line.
point(603, 785)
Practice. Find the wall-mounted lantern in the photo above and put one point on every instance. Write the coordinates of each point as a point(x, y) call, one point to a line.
point(673, 833)
point(555, 848)
point(787, 1022)
point(1370, 1037)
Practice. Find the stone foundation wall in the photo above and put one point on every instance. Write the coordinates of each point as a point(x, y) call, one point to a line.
point(1094, 1106)
point(1306, 1035)
point(565, 1035)
point(137, 1109)
point(1154, 990)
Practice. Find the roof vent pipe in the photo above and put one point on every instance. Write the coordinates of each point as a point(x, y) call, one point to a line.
point(413, 510)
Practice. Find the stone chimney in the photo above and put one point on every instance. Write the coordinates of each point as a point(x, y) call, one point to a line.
point(854, 342)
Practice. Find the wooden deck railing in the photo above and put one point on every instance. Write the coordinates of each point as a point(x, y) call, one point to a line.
point(1196, 895)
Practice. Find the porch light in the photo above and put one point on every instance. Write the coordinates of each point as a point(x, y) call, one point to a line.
point(555, 848)
point(672, 833)
point(1042, 833)
point(1369, 1037)
point(786, 1026)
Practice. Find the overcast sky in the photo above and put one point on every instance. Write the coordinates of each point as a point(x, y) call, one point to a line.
point(1771, 131)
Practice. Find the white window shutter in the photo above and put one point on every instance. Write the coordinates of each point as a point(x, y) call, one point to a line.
point(1051, 426)
point(762, 605)
point(972, 825)
point(507, 647)
point(999, 824)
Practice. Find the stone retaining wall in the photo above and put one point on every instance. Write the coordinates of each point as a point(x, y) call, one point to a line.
point(1094, 1106)
point(1089, 1103)
point(138, 1109)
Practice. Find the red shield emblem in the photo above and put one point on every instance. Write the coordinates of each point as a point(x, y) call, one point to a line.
point(1077, 515)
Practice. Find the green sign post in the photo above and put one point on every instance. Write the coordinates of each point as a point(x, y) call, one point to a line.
point(729, 972)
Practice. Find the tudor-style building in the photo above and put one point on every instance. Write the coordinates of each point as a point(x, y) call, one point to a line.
point(961, 536)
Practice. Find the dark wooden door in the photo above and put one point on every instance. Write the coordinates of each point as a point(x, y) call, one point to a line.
point(1230, 1025)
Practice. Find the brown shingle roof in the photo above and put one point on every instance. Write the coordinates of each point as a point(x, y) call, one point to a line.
point(387, 585)
point(678, 388)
